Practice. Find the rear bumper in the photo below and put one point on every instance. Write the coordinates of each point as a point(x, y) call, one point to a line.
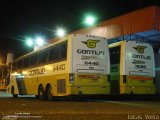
point(138, 90)
point(90, 90)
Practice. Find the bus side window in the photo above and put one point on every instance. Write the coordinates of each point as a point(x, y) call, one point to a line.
point(26, 63)
point(54, 54)
point(51, 54)
point(64, 51)
point(58, 52)
point(15, 65)
point(43, 56)
point(34, 60)
point(114, 55)
point(19, 64)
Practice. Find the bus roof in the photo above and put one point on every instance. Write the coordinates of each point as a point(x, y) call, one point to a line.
point(123, 42)
point(117, 44)
point(52, 44)
point(43, 48)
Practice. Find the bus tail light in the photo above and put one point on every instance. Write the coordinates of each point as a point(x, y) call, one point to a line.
point(124, 79)
point(89, 76)
point(71, 78)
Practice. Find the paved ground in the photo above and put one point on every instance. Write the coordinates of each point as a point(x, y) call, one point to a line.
point(30, 108)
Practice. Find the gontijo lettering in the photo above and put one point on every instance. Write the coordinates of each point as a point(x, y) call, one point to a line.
point(37, 71)
point(142, 57)
point(90, 52)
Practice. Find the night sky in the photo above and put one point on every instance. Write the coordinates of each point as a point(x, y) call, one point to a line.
point(20, 19)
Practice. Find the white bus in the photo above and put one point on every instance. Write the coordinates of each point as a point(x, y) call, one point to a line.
point(74, 65)
point(132, 68)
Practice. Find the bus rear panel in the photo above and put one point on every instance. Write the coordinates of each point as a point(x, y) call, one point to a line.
point(134, 71)
point(90, 65)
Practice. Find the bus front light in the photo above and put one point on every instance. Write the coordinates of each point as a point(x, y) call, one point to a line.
point(71, 78)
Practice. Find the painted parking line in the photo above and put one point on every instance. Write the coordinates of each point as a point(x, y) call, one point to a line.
point(4, 94)
point(141, 104)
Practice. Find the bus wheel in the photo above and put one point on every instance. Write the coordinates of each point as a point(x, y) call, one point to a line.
point(49, 92)
point(13, 93)
point(41, 93)
point(36, 96)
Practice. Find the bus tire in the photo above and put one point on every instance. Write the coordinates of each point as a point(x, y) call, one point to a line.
point(41, 93)
point(13, 93)
point(49, 93)
point(36, 96)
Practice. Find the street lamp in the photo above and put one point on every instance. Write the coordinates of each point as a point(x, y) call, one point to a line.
point(39, 41)
point(90, 20)
point(60, 32)
point(29, 42)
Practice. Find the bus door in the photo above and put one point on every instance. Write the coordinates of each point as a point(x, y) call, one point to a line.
point(115, 70)
point(21, 85)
